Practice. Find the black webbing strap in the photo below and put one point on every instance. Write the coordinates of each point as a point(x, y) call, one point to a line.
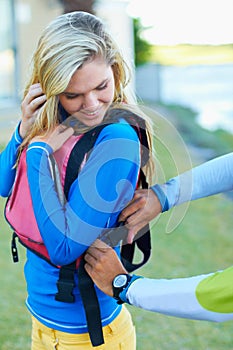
point(65, 284)
point(142, 240)
point(91, 305)
point(143, 243)
point(82, 147)
point(86, 285)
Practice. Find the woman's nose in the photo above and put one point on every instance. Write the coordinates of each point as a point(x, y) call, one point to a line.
point(90, 101)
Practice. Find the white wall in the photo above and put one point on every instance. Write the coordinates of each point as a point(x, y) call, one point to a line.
point(114, 13)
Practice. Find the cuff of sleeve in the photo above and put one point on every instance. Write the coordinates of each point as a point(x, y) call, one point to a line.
point(41, 145)
point(18, 138)
point(161, 197)
point(123, 294)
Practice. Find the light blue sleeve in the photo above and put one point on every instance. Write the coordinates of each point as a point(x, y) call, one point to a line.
point(206, 297)
point(104, 186)
point(7, 161)
point(212, 177)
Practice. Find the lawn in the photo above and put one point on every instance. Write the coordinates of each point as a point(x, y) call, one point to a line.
point(201, 243)
point(186, 54)
point(195, 239)
point(15, 320)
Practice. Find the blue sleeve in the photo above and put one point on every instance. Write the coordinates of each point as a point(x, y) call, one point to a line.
point(210, 178)
point(7, 161)
point(104, 186)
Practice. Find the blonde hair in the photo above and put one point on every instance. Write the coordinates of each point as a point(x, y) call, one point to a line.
point(64, 46)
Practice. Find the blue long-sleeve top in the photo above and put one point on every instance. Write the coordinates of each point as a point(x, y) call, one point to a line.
point(207, 179)
point(104, 186)
point(7, 163)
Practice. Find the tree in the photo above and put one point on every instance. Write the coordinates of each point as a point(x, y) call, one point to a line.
point(78, 5)
point(142, 48)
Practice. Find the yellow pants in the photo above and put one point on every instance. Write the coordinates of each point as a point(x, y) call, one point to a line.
point(118, 335)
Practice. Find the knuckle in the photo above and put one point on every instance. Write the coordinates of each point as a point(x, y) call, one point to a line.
point(142, 200)
point(30, 93)
point(101, 260)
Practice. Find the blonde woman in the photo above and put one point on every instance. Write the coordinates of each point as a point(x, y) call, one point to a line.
point(78, 74)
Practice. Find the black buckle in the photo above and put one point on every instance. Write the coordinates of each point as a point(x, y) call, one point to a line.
point(114, 235)
point(14, 249)
point(65, 291)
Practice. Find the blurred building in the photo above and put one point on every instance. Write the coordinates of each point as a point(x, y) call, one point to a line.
point(20, 26)
point(21, 23)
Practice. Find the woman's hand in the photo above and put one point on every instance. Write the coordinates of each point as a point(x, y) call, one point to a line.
point(56, 138)
point(30, 107)
point(144, 207)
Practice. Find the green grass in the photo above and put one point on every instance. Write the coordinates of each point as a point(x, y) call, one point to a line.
point(15, 323)
point(201, 242)
point(184, 120)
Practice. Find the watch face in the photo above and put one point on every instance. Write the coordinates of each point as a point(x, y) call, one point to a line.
point(120, 281)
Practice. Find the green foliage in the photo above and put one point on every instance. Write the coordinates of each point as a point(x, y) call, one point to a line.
point(78, 5)
point(142, 48)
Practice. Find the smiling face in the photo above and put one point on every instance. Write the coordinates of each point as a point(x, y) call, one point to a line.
point(90, 92)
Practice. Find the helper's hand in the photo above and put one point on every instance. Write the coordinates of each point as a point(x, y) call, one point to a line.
point(30, 107)
point(144, 207)
point(103, 264)
point(56, 138)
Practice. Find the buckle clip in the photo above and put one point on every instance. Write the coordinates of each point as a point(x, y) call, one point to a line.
point(65, 291)
point(14, 250)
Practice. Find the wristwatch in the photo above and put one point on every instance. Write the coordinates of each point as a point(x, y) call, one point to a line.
point(119, 283)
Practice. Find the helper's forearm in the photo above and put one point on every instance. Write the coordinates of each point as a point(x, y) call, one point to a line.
point(205, 297)
point(212, 177)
